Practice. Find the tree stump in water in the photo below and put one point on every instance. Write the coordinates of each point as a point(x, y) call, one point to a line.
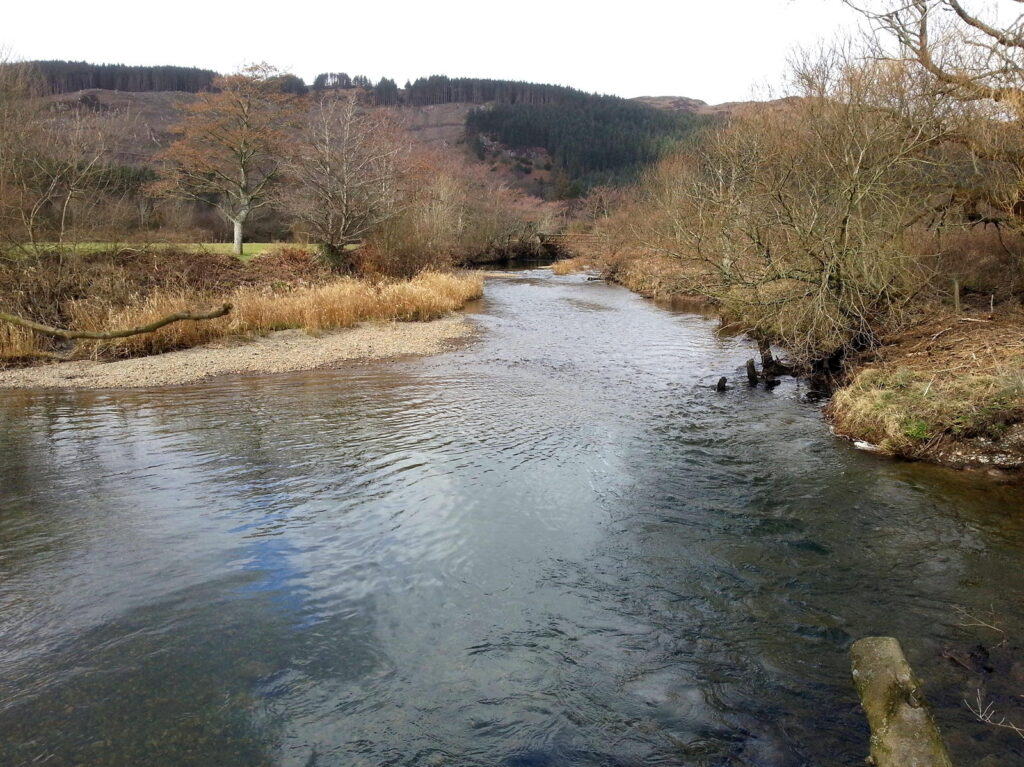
point(903, 733)
point(771, 367)
point(752, 377)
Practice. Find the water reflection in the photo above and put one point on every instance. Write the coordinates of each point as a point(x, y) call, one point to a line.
point(555, 545)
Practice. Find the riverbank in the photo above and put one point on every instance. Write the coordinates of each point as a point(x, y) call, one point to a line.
point(278, 352)
point(948, 389)
point(130, 319)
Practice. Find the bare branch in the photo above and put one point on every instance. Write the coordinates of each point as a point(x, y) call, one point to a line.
point(111, 334)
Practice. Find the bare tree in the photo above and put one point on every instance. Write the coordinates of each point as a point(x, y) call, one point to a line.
point(971, 57)
point(56, 165)
point(974, 60)
point(345, 175)
point(795, 217)
point(19, 120)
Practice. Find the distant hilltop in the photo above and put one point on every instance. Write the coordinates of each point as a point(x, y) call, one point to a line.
point(683, 104)
point(674, 103)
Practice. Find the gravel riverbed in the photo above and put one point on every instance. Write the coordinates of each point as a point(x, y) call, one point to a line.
point(279, 352)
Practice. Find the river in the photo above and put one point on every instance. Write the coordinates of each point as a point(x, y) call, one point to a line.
point(552, 545)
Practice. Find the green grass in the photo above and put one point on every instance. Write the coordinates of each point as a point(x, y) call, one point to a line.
point(249, 250)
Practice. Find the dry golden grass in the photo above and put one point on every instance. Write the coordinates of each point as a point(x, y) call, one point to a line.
point(656, 276)
point(948, 377)
point(907, 411)
point(17, 342)
point(258, 310)
point(94, 316)
point(571, 265)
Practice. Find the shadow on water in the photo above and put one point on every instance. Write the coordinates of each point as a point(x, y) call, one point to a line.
point(554, 545)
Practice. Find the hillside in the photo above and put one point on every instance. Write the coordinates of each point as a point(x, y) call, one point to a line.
point(550, 140)
point(674, 103)
point(150, 116)
point(542, 147)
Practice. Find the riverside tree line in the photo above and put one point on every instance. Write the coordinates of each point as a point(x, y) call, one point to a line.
point(892, 173)
point(326, 168)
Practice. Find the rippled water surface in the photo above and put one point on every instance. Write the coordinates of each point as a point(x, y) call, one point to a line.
point(553, 545)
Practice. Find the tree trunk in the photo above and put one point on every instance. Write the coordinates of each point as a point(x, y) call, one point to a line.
point(752, 376)
point(238, 222)
point(903, 733)
point(767, 360)
point(337, 257)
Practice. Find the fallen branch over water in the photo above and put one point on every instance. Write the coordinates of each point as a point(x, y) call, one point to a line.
point(71, 335)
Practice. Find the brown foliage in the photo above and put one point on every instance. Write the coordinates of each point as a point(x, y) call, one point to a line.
point(230, 145)
point(288, 264)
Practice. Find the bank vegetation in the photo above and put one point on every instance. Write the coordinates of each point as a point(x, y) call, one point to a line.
point(377, 223)
point(869, 224)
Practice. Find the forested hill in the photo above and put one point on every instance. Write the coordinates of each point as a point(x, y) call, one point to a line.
point(70, 76)
point(592, 139)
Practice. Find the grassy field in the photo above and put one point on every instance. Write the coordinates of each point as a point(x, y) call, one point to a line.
point(249, 249)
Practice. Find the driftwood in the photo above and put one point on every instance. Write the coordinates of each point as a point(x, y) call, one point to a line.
point(903, 733)
point(71, 335)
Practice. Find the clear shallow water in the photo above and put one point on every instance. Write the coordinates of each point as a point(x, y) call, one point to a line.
point(554, 545)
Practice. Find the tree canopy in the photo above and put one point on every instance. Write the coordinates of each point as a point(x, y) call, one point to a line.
point(70, 76)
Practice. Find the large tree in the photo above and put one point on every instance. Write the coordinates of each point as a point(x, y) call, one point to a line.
point(972, 53)
point(228, 153)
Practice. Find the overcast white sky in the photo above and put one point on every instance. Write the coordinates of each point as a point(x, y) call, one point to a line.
point(716, 50)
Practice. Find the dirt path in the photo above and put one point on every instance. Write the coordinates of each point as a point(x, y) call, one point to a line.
point(286, 350)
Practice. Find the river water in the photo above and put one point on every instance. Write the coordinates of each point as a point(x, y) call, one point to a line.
point(552, 545)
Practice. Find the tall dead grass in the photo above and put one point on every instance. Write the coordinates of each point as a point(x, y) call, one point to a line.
point(257, 310)
point(571, 265)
